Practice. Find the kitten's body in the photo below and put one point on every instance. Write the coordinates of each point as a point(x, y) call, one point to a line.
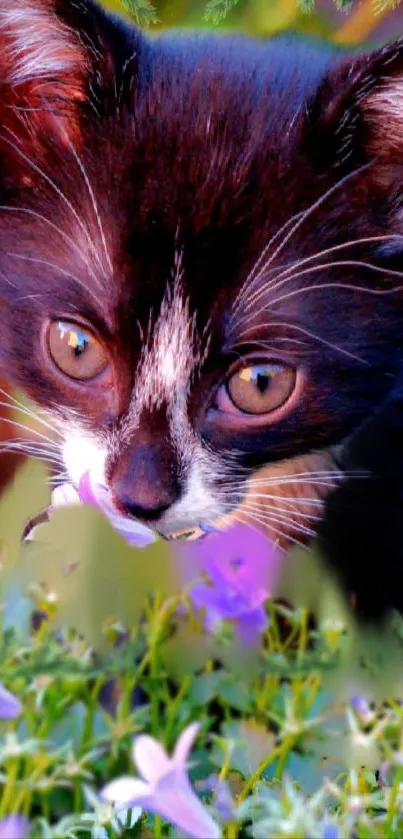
point(203, 204)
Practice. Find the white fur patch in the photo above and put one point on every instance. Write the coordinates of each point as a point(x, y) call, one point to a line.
point(385, 108)
point(82, 454)
point(169, 357)
point(198, 502)
point(38, 45)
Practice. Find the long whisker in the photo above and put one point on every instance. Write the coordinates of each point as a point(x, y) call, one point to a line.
point(284, 516)
point(51, 183)
point(276, 235)
point(346, 286)
point(25, 428)
point(306, 332)
point(55, 227)
point(23, 409)
point(83, 171)
point(367, 240)
point(57, 268)
point(345, 263)
point(254, 518)
point(274, 514)
point(314, 502)
point(306, 214)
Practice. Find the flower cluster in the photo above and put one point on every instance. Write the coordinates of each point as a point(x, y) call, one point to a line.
point(241, 565)
point(164, 787)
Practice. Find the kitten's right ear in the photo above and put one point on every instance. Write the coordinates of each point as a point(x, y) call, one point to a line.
point(54, 56)
point(357, 114)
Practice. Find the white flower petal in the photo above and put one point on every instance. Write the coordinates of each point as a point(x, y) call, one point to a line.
point(124, 791)
point(150, 758)
point(128, 815)
point(185, 744)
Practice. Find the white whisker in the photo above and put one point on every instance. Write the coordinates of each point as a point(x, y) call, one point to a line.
point(347, 263)
point(366, 240)
point(68, 239)
point(57, 268)
point(306, 332)
point(23, 409)
point(300, 221)
point(83, 171)
point(51, 183)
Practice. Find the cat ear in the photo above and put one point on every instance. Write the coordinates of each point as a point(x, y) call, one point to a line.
point(54, 54)
point(358, 110)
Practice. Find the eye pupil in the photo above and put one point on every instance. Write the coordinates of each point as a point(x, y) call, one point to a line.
point(262, 382)
point(81, 344)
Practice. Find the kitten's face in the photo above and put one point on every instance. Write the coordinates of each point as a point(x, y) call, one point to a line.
point(197, 259)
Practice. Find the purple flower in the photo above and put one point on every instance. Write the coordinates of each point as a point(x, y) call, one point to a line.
point(330, 831)
point(362, 708)
point(97, 495)
point(223, 800)
point(164, 788)
point(242, 567)
point(13, 827)
point(10, 707)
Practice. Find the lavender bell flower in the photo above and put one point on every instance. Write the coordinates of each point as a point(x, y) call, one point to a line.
point(164, 788)
point(97, 495)
point(242, 566)
point(10, 706)
point(14, 827)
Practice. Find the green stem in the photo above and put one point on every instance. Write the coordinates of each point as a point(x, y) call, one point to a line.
point(392, 803)
point(9, 788)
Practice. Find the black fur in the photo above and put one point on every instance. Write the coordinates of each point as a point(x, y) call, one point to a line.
point(211, 144)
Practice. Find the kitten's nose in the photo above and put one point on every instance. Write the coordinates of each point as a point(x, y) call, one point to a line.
point(145, 488)
point(144, 512)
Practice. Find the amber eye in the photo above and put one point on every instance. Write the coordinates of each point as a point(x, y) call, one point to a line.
point(261, 388)
point(76, 351)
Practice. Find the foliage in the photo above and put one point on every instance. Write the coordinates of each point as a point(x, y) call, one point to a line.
point(302, 736)
point(294, 758)
point(263, 16)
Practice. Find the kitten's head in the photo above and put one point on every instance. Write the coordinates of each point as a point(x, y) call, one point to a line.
point(198, 240)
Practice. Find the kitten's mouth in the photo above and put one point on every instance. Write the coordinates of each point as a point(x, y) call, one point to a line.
point(187, 535)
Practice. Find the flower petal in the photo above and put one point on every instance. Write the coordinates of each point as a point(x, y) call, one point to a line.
point(97, 495)
point(128, 816)
point(251, 625)
point(150, 758)
point(175, 800)
point(185, 744)
point(14, 827)
point(10, 706)
point(124, 791)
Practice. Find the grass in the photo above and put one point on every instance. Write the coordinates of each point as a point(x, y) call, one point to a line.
point(283, 749)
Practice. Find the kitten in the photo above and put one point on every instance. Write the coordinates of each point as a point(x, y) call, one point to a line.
point(200, 253)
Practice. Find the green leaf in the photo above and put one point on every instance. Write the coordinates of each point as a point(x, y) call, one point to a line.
point(251, 743)
point(217, 10)
point(142, 10)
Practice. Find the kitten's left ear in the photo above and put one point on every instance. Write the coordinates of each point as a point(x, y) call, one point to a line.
point(358, 110)
point(53, 54)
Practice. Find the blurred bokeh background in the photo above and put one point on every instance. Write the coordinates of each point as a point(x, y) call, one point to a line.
point(369, 21)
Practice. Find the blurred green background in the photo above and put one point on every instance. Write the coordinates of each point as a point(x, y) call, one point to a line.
point(369, 21)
